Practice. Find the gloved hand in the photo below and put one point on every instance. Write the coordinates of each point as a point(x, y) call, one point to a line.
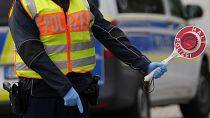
point(72, 99)
point(158, 73)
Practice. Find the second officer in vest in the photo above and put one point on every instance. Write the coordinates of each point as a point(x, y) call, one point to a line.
point(56, 53)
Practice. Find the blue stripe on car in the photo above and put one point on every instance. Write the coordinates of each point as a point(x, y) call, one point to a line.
point(3, 36)
point(159, 24)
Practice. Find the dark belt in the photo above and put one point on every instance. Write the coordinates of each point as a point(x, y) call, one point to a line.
point(39, 88)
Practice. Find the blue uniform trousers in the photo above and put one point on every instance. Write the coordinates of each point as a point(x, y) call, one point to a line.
point(53, 107)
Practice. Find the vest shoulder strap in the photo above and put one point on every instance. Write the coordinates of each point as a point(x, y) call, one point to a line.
point(86, 3)
point(11, 8)
point(30, 7)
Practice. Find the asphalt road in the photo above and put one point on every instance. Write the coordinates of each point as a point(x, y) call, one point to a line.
point(166, 112)
point(157, 112)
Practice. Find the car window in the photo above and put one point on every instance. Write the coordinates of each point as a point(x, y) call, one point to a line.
point(176, 8)
point(5, 7)
point(140, 6)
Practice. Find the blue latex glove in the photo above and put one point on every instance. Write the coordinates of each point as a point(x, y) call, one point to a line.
point(158, 73)
point(72, 99)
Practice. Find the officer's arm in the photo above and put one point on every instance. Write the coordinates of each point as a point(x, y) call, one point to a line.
point(26, 37)
point(117, 42)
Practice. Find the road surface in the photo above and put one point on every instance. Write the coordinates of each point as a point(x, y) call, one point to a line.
point(166, 112)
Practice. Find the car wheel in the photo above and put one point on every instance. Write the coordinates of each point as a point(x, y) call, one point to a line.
point(141, 108)
point(199, 107)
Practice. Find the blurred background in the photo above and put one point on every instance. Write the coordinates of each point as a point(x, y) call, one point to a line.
point(151, 25)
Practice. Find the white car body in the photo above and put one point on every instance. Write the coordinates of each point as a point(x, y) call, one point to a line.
point(180, 83)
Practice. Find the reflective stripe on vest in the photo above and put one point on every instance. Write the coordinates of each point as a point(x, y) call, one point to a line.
point(62, 64)
point(74, 47)
point(68, 44)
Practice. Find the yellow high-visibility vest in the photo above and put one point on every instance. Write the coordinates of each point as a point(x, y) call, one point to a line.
point(66, 36)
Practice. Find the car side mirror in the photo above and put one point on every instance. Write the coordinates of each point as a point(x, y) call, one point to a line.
point(193, 11)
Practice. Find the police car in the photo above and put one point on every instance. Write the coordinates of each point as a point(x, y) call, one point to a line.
point(6, 61)
point(151, 26)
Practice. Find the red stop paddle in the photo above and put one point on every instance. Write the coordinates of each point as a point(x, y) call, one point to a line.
point(189, 43)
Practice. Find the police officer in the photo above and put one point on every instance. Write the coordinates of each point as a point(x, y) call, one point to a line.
point(55, 54)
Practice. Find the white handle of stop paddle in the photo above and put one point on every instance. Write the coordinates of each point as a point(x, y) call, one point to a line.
point(149, 77)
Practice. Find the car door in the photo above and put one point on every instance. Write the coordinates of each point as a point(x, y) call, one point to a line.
point(177, 83)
